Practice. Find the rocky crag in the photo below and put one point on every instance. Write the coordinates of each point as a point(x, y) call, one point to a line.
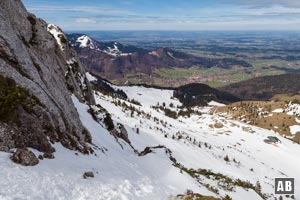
point(39, 72)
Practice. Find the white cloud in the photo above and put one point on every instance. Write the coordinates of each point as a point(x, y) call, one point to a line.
point(86, 20)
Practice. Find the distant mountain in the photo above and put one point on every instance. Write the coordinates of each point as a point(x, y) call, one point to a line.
point(113, 60)
point(264, 88)
point(197, 94)
point(84, 42)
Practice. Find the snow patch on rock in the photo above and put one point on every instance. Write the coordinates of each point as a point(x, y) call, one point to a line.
point(90, 77)
point(295, 129)
point(115, 51)
point(293, 109)
point(216, 104)
point(278, 110)
point(57, 34)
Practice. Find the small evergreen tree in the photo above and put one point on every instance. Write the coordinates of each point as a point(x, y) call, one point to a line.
point(108, 122)
point(258, 187)
point(227, 197)
point(226, 158)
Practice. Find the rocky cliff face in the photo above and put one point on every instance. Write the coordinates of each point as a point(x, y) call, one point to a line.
point(38, 74)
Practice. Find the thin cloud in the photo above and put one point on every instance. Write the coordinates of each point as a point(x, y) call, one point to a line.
point(264, 3)
point(86, 20)
point(229, 14)
point(84, 9)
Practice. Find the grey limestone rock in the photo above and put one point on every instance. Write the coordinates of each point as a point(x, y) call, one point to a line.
point(24, 157)
point(40, 65)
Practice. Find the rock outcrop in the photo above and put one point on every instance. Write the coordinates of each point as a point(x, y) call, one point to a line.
point(88, 175)
point(39, 72)
point(24, 157)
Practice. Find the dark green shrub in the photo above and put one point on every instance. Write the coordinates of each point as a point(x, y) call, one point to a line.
point(109, 122)
point(12, 97)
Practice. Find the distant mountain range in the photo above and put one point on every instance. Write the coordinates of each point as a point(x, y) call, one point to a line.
point(116, 61)
point(113, 60)
point(264, 88)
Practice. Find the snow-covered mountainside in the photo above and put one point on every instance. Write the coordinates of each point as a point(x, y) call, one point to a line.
point(114, 49)
point(85, 41)
point(150, 147)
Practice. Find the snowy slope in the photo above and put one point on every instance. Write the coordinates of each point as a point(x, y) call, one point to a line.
point(121, 174)
point(256, 160)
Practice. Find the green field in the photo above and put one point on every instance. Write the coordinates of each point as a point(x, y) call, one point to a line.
point(215, 76)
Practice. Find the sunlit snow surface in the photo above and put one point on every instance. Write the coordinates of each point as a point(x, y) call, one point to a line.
point(90, 77)
point(121, 174)
point(295, 129)
point(278, 110)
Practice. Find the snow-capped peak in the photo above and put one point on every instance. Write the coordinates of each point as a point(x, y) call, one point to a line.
point(85, 41)
point(115, 51)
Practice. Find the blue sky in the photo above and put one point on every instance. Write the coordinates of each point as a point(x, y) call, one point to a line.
point(169, 14)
